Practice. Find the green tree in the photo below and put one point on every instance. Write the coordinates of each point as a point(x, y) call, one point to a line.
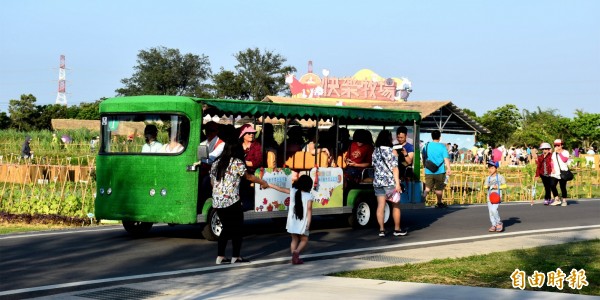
point(23, 112)
point(541, 126)
point(263, 74)
point(164, 71)
point(48, 112)
point(228, 85)
point(5, 121)
point(502, 122)
point(470, 113)
point(585, 130)
point(89, 111)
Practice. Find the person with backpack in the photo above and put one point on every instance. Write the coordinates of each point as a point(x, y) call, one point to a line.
point(437, 167)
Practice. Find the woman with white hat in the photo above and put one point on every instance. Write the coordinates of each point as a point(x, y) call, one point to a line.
point(544, 171)
point(559, 163)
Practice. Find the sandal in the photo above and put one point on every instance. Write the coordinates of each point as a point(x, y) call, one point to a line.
point(499, 227)
point(492, 229)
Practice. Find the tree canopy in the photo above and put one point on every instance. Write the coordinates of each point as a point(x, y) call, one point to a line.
point(165, 71)
point(262, 73)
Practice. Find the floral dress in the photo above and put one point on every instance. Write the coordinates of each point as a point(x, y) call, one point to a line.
point(384, 162)
point(227, 191)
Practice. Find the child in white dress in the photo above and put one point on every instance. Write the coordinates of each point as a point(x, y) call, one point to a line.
point(299, 214)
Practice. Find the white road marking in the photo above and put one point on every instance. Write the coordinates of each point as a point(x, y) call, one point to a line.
point(281, 259)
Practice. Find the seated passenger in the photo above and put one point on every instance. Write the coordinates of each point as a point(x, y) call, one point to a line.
point(292, 144)
point(311, 136)
point(269, 145)
point(252, 148)
point(359, 155)
point(151, 145)
point(173, 146)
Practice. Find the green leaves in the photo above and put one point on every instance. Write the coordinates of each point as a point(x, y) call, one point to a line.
point(165, 71)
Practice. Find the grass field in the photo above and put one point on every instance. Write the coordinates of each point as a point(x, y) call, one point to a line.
point(494, 270)
point(6, 228)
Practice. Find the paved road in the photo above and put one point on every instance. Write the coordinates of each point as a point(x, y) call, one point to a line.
point(41, 259)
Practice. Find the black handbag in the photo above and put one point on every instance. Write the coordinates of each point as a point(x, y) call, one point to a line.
point(565, 175)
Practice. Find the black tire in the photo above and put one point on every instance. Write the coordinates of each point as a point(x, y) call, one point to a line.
point(136, 228)
point(213, 227)
point(363, 214)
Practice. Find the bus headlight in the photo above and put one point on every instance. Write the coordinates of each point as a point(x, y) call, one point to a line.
point(101, 191)
point(109, 191)
point(152, 192)
point(163, 192)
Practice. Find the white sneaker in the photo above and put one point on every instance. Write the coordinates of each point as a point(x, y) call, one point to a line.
point(564, 202)
point(556, 203)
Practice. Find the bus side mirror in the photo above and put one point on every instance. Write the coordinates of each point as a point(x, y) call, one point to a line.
point(202, 152)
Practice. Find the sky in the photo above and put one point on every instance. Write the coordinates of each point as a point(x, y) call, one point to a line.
point(480, 55)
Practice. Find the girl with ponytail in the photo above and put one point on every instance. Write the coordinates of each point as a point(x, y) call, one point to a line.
point(299, 214)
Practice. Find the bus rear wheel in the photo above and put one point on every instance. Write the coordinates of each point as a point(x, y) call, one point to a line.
point(213, 228)
point(365, 213)
point(136, 228)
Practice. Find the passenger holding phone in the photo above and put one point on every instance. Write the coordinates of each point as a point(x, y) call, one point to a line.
point(406, 153)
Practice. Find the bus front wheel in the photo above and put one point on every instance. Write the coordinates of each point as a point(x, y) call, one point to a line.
point(137, 228)
point(213, 227)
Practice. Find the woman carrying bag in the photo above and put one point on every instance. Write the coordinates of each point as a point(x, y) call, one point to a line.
point(386, 181)
point(560, 171)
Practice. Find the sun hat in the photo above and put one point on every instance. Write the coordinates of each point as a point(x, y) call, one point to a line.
point(246, 128)
point(545, 146)
point(491, 163)
point(557, 142)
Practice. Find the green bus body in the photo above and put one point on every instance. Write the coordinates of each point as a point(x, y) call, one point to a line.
point(125, 180)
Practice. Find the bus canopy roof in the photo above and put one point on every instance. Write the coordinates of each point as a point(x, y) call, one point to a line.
point(303, 111)
point(257, 109)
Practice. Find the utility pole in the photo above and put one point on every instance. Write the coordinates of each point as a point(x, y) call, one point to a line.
point(61, 97)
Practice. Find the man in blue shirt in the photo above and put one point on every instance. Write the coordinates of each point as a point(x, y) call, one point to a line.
point(437, 153)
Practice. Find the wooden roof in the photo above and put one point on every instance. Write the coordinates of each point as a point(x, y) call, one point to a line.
point(440, 115)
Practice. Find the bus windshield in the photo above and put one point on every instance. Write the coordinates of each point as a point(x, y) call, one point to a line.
point(146, 134)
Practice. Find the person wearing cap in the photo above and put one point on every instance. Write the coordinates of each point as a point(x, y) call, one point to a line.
point(559, 163)
point(252, 148)
point(494, 183)
point(591, 151)
point(151, 145)
point(26, 148)
point(544, 171)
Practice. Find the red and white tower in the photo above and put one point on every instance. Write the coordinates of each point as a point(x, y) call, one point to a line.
point(61, 97)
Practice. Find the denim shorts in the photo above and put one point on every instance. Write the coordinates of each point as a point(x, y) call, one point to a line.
point(383, 190)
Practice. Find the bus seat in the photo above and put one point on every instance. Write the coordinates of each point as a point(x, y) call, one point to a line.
point(340, 161)
point(271, 159)
point(367, 175)
point(303, 160)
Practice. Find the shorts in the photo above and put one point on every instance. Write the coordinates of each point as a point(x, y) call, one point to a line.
point(435, 181)
point(383, 190)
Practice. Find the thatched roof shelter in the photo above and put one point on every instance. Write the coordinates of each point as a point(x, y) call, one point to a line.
point(440, 115)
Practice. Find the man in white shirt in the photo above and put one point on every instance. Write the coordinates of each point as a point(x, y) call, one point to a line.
point(215, 147)
point(151, 145)
point(213, 142)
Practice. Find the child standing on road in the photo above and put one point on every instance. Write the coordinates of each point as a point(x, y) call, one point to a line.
point(299, 214)
point(494, 184)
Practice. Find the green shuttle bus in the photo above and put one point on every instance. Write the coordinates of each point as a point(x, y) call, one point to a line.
point(145, 171)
